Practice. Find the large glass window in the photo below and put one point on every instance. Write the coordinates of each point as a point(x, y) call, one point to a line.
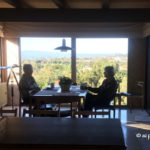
point(94, 54)
point(48, 64)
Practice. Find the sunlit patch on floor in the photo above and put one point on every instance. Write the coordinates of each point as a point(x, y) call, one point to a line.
point(139, 126)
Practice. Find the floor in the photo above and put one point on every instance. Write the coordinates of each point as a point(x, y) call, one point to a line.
point(136, 132)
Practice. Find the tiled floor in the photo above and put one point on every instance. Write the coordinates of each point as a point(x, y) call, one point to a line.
point(136, 134)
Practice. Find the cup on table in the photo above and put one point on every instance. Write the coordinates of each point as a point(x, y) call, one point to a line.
point(83, 87)
point(52, 85)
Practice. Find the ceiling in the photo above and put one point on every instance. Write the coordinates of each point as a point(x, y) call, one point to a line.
point(75, 10)
point(75, 4)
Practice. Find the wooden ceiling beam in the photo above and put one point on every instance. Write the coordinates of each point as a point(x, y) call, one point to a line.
point(14, 3)
point(60, 3)
point(18, 3)
point(105, 4)
point(74, 15)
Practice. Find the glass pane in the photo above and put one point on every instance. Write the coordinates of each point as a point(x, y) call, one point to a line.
point(48, 64)
point(94, 54)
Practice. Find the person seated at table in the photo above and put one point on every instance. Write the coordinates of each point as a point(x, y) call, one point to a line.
point(105, 93)
point(27, 84)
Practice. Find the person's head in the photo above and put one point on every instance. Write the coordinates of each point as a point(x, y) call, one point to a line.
point(28, 70)
point(109, 71)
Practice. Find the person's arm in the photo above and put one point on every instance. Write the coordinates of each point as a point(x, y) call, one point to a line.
point(33, 84)
point(94, 90)
point(97, 90)
point(34, 87)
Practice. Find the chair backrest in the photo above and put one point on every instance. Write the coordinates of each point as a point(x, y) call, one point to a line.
point(40, 113)
point(90, 113)
point(112, 96)
point(6, 112)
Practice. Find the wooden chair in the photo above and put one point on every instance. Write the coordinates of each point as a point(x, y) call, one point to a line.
point(140, 84)
point(132, 96)
point(21, 104)
point(104, 109)
point(90, 113)
point(109, 108)
point(61, 113)
point(28, 106)
point(65, 113)
point(45, 106)
point(40, 113)
point(4, 112)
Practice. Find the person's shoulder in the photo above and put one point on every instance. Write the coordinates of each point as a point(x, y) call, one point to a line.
point(32, 78)
point(112, 82)
point(105, 80)
point(115, 81)
point(22, 81)
point(22, 77)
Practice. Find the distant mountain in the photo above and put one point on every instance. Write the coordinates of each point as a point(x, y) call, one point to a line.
point(46, 54)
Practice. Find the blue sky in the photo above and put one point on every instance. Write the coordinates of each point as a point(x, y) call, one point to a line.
point(83, 45)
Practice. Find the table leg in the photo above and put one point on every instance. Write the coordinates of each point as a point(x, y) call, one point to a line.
point(79, 106)
point(119, 102)
point(71, 109)
point(59, 110)
point(130, 103)
point(30, 105)
point(19, 106)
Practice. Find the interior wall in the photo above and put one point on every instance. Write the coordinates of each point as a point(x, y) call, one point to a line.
point(3, 59)
point(2, 53)
point(136, 65)
point(3, 87)
point(147, 84)
point(13, 55)
point(129, 4)
point(1, 30)
point(146, 29)
point(3, 94)
point(32, 29)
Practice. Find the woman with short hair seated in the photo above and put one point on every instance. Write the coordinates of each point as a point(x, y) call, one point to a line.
point(27, 84)
point(104, 94)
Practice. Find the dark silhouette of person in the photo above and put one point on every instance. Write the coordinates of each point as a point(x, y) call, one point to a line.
point(105, 93)
point(27, 84)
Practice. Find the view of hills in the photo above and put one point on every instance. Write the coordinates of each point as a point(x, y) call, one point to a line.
point(45, 54)
point(49, 66)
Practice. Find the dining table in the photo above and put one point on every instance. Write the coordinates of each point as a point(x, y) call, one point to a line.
point(56, 96)
point(56, 133)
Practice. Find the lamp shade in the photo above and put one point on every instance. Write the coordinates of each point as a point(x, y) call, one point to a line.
point(63, 47)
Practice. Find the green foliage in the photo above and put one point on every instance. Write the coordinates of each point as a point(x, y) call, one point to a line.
point(89, 70)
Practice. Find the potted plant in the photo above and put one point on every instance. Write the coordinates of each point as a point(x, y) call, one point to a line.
point(83, 86)
point(65, 83)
